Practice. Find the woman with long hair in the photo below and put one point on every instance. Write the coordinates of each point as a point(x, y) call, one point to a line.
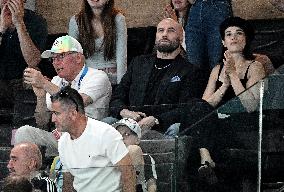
point(102, 32)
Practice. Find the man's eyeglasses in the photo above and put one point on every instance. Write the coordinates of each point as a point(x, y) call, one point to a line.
point(60, 57)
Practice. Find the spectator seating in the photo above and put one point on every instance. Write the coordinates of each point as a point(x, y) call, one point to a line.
point(269, 41)
point(171, 156)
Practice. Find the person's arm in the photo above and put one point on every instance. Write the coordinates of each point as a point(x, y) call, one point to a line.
point(128, 175)
point(147, 123)
point(95, 86)
point(250, 97)
point(73, 28)
point(5, 20)
point(42, 114)
point(35, 78)
point(136, 155)
point(266, 63)
point(121, 46)
point(113, 146)
point(120, 95)
point(169, 12)
point(135, 115)
point(152, 185)
point(30, 52)
point(211, 95)
point(184, 91)
point(68, 182)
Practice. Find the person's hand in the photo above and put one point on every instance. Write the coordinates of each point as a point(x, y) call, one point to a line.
point(147, 122)
point(229, 63)
point(34, 77)
point(42, 119)
point(169, 12)
point(151, 185)
point(226, 80)
point(5, 18)
point(16, 8)
point(136, 116)
point(191, 1)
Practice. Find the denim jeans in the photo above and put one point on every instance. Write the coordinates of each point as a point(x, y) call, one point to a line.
point(172, 131)
point(202, 36)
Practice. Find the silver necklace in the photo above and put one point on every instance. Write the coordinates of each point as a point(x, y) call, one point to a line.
point(162, 67)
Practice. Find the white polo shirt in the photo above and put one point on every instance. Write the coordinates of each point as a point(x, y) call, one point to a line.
point(95, 84)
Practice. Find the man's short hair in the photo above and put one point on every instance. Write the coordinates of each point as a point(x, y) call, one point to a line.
point(69, 97)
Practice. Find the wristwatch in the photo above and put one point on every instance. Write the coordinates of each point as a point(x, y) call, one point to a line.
point(157, 121)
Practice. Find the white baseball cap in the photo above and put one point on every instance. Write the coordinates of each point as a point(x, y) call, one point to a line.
point(131, 124)
point(63, 44)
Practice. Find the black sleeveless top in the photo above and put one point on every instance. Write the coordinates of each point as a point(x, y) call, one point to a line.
point(229, 94)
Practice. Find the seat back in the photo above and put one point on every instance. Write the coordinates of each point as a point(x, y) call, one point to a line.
point(170, 157)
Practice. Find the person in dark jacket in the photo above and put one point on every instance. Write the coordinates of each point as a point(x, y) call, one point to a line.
point(155, 89)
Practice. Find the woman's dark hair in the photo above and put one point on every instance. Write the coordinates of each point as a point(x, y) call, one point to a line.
point(186, 15)
point(86, 31)
point(245, 26)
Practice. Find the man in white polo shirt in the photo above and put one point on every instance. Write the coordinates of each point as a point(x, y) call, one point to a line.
point(93, 85)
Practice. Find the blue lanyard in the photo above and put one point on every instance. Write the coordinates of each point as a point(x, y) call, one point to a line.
point(80, 79)
point(82, 76)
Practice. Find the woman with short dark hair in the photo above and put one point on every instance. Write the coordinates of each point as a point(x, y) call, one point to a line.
point(232, 77)
point(239, 70)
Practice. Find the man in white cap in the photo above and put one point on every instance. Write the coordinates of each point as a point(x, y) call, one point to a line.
point(131, 134)
point(93, 85)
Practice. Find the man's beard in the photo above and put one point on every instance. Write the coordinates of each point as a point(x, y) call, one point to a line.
point(12, 172)
point(167, 48)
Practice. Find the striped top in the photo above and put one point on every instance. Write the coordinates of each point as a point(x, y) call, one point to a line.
point(43, 184)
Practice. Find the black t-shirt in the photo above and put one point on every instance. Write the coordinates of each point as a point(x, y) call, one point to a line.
point(12, 62)
point(160, 68)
